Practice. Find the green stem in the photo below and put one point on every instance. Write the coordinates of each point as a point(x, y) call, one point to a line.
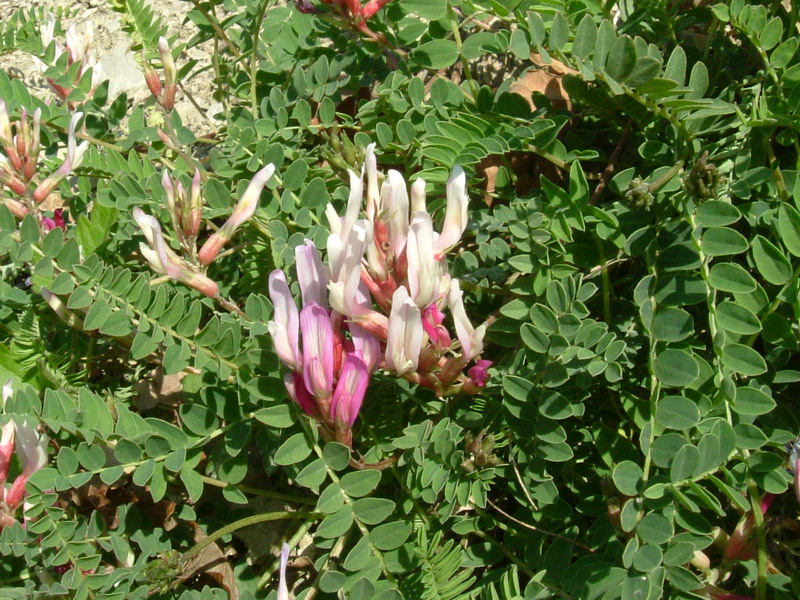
point(761, 539)
point(254, 58)
point(605, 278)
point(246, 522)
point(460, 45)
point(212, 21)
point(258, 492)
point(292, 543)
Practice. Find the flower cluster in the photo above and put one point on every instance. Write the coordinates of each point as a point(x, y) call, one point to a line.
point(352, 10)
point(79, 51)
point(378, 302)
point(31, 450)
point(19, 161)
point(186, 213)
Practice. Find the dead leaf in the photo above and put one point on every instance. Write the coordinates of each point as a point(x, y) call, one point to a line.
point(526, 166)
point(211, 562)
point(158, 389)
point(544, 79)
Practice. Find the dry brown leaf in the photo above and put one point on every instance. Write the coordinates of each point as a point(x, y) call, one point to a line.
point(526, 166)
point(158, 389)
point(213, 563)
point(545, 79)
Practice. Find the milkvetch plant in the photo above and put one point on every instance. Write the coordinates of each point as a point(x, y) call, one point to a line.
point(455, 300)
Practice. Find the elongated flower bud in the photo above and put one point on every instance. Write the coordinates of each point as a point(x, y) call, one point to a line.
point(244, 210)
point(170, 73)
point(5, 125)
point(394, 205)
point(471, 339)
point(195, 206)
point(283, 589)
point(455, 218)
point(31, 448)
point(317, 334)
point(151, 78)
point(350, 390)
point(404, 340)
point(423, 268)
point(285, 326)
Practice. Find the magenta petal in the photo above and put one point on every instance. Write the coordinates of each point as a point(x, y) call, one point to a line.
point(297, 390)
point(317, 334)
point(350, 390)
point(479, 373)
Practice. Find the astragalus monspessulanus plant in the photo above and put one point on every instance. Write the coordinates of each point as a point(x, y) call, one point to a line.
point(378, 301)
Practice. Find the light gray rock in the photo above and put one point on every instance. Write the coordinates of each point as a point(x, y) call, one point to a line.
point(122, 71)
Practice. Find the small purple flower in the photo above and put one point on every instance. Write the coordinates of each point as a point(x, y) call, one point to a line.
point(480, 372)
point(432, 319)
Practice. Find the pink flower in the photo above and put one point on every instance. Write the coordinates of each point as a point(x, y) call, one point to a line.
point(49, 224)
point(423, 268)
point(317, 333)
point(312, 275)
point(283, 590)
point(480, 372)
point(299, 393)
point(471, 339)
point(455, 217)
point(285, 326)
point(350, 390)
point(244, 210)
point(432, 319)
point(404, 341)
point(31, 448)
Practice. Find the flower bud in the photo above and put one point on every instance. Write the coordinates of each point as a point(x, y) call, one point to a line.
point(170, 73)
point(151, 78)
point(404, 340)
point(244, 210)
point(315, 327)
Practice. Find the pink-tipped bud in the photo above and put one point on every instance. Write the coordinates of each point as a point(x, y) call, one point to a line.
point(170, 73)
point(318, 342)
point(212, 247)
point(244, 210)
point(169, 190)
point(372, 7)
point(17, 208)
point(46, 187)
point(152, 79)
point(195, 207)
point(283, 589)
point(167, 140)
point(349, 395)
